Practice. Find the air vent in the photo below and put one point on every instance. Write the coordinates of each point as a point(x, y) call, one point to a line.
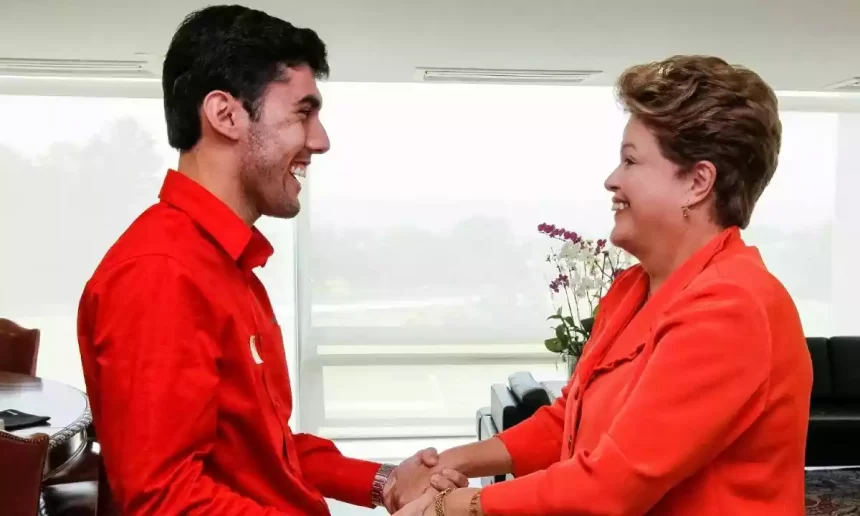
point(132, 69)
point(851, 85)
point(472, 75)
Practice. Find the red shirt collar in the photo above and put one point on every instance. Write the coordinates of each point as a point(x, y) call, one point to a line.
point(243, 243)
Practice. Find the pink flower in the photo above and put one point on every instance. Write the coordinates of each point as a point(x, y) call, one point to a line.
point(547, 229)
point(556, 284)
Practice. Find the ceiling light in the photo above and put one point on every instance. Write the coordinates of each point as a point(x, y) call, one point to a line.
point(78, 68)
point(472, 75)
point(848, 85)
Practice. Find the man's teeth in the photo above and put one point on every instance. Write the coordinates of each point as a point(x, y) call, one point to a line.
point(618, 206)
point(298, 171)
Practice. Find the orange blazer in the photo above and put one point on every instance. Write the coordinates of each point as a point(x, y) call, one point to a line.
point(694, 402)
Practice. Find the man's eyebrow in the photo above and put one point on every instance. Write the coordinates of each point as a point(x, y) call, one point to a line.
point(311, 101)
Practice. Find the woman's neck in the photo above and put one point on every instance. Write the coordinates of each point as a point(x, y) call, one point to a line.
point(659, 263)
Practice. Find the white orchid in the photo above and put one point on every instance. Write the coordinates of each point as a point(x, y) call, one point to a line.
point(584, 272)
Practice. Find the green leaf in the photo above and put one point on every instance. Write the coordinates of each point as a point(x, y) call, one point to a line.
point(569, 320)
point(588, 324)
point(561, 333)
point(553, 345)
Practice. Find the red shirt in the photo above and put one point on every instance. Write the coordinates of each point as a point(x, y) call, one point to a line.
point(185, 368)
point(695, 401)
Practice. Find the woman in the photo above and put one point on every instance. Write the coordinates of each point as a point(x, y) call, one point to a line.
point(692, 396)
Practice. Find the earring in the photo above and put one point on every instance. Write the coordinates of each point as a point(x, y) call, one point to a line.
point(685, 212)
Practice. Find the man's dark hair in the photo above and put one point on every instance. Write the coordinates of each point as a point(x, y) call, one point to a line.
point(234, 49)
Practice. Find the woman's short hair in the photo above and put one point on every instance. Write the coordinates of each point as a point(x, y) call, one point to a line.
point(701, 108)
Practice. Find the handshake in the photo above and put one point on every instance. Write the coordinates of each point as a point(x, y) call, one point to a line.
point(413, 485)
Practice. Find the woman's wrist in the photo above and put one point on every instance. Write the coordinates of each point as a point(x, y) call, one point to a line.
point(458, 502)
point(475, 508)
point(482, 459)
point(454, 458)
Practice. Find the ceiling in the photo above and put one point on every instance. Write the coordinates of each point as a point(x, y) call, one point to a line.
point(795, 45)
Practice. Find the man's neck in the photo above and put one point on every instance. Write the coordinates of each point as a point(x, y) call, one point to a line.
point(219, 180)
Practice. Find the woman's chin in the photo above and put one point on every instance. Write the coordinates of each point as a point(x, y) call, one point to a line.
point(614, 234)
point(619, 236)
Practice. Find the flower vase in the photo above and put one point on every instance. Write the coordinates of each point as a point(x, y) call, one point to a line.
point(570, 362)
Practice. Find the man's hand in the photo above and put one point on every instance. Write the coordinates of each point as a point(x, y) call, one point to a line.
point(418, 506)
point(415, 476)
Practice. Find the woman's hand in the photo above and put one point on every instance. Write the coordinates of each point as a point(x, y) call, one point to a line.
point(415, 475)
point(418, 506)
point(456, 503)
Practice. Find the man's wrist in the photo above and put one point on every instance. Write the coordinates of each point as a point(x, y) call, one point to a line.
point(377, 489)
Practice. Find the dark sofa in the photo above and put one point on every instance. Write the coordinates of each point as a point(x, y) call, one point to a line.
point(834, 419)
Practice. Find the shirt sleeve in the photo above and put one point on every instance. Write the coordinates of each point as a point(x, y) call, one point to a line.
point(535, 444)
point(149, 328)
point(704, 385)
point(335, 476)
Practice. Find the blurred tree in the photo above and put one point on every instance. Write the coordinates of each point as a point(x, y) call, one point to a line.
point(62, 210)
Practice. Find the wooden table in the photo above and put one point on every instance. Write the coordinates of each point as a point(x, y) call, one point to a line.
point(68, 408)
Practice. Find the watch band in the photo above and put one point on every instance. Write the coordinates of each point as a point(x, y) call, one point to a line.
point(379, 481)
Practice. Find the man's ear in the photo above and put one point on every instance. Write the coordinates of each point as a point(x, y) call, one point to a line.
point(224, 114)
point(702, 177)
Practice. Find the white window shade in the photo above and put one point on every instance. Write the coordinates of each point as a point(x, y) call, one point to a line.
point(76, 171)
point(421, 270)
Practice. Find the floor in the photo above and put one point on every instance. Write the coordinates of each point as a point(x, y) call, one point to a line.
point(833, 492)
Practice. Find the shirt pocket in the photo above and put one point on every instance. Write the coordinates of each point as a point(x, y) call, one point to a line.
point(268, 406)
point(277, 368)
point(277, 388)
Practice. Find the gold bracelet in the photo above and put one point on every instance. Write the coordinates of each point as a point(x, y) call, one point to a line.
point(440, 502)
point(475, 504)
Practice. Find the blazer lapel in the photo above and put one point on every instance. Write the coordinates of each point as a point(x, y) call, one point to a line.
point(630, 318)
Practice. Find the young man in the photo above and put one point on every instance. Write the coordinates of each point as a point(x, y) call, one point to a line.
point(182, 355)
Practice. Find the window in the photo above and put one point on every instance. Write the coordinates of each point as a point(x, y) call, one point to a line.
point(421, 273)
point(76, 171)
point(414, 277)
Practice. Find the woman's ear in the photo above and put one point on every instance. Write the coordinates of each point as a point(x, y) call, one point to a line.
point(702, 177)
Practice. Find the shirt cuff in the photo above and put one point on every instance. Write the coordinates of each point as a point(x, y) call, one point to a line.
point(353, 482)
